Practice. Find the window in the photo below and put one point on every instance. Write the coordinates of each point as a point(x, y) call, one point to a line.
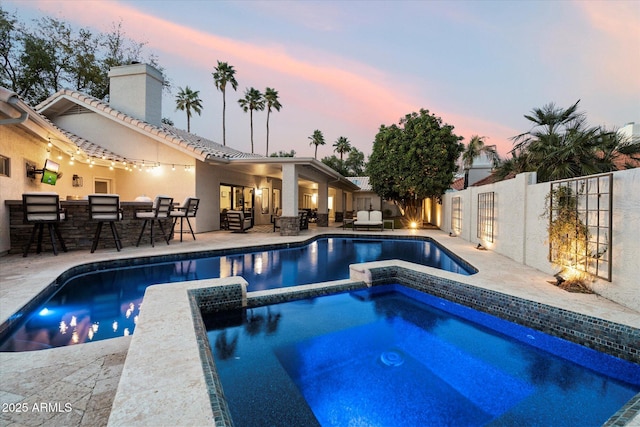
point(102, 185)
point(363, 203)
point(276, 199)
point(485, 216)
point(5, 166)
point(456, 215)
point(307, 201)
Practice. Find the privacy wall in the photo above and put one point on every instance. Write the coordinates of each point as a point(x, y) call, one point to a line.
point(507, 217)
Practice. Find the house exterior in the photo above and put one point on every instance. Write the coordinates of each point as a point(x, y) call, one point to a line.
point(365, 198)
point(122, 147)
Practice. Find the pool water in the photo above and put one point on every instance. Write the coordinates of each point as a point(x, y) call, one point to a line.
point(395, 356)
point(105, 304)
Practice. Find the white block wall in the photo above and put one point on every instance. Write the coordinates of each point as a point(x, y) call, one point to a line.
point(520, 231)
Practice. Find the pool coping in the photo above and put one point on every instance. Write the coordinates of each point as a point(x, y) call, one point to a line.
point(180, 305)
point(11, 322)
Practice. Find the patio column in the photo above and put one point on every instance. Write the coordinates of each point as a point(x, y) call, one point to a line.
point(289, 222)
point(323, 203)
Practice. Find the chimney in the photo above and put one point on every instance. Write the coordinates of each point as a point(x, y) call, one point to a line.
point(136, 90)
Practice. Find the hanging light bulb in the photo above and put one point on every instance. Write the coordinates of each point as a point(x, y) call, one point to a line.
point(173, 167)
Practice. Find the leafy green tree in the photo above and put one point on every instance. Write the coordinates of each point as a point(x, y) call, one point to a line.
point(8, 61)
point(84, 65)
point(281, 153)
point(336, 164)
point(39, 59)
point(342, 146)
point(413, 161)
point(224, 74)
point(317, 138)
point(272, 101)
point(561, 145)
point(253, 100)
point(188, 100)
point(354, 164)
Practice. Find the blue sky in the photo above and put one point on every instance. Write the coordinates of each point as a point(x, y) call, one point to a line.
point(347, 67)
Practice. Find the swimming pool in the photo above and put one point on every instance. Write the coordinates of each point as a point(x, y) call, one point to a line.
point(104, 304)
point(396, 356)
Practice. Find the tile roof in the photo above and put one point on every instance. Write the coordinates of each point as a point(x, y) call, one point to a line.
point(201, 148)
point(458, 184)
point(361, 181)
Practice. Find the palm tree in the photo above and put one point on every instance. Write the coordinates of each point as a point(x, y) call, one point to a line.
point(475, 148)
point(271, 98)
point(548, 122)
point(223, 74)
point(253, 100)
point(317, 139)
point(560, 145)
point(342, 146)
point(188, 100)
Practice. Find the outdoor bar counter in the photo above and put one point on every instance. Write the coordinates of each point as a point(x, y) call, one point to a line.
point(78, 229)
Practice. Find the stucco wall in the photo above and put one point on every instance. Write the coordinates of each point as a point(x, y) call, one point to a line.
point(520, 230)
point(21, 147)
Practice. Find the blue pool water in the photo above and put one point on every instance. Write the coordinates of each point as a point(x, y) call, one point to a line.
point(105, 304)
point(392, 356)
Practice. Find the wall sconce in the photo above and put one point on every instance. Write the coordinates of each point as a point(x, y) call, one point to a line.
point(77, 181)
point(258, 192)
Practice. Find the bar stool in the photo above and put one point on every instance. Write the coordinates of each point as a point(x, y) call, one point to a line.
point(40, 209)
point(105, 208)
point(188, 210)
point(160, 210)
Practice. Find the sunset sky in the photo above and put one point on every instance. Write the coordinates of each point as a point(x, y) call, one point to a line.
point(347, 67)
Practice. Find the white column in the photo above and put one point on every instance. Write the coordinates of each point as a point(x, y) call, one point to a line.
point(289, 190)
point(323, 198)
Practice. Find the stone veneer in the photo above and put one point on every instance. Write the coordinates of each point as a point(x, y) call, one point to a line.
point(78, 229)
point(289, 226)
point(322, 220)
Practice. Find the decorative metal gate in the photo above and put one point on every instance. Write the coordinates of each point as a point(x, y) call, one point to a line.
point(585, 203)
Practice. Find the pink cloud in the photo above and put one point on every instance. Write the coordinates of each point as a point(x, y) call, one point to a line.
point(329, 86)
point(618, 59)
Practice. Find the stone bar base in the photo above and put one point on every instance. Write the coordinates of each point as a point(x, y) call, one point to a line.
point(78, 229)
point(289, 226)
point(322, 220)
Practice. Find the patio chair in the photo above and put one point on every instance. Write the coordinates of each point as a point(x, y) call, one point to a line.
point(105, 208)
point(238, 223)
point(275, 219)
point(40, 209)
point(304, 219)
point(188, 210)
point(161, 207)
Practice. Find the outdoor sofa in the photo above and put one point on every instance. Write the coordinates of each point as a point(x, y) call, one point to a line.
point(368, 219)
